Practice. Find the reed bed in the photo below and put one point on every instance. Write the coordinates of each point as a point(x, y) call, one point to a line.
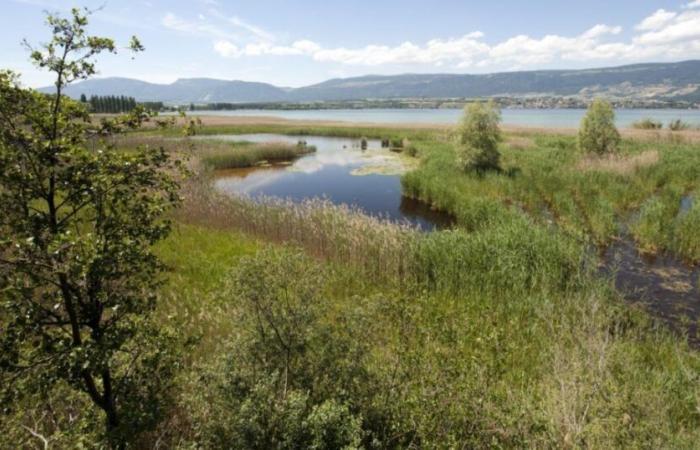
point(513, 255)
point(338, 233)
point(221, 157)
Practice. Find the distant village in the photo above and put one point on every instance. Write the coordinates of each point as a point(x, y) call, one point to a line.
point(534, 102)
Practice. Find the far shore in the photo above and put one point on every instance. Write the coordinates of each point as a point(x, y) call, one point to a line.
point(632, 133)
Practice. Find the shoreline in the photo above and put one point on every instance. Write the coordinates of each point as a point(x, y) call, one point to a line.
point(692, 136)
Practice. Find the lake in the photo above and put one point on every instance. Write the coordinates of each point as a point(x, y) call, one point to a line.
point(339, 171)
point(548, 118)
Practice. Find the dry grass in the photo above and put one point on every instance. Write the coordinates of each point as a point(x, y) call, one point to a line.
point(520, 142)
point(622, 165)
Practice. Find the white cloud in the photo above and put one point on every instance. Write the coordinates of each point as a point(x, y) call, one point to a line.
point(662, 34)
point(227, 49)
point(254, 30)
point(199, 28)
point(656, 20)
point(684, 27)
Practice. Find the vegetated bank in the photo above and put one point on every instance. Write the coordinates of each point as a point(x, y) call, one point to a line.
point(495, 333)
point(315, 325)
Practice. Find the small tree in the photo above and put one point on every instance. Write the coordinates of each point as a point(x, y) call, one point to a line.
point(598, 133)
point(77, 274)
point(479, 136)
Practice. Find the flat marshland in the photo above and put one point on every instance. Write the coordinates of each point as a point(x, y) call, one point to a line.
point(498, 332)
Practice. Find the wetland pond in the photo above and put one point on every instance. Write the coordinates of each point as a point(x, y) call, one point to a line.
point(342, 172)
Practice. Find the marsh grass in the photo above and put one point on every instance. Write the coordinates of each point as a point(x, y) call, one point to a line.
point(219, 157)
point(335, 233)
point(492, 335)
point(589, 197)
point(622, 165)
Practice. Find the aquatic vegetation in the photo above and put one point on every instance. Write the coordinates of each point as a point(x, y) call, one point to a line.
point(590, 197)
point(220, 156)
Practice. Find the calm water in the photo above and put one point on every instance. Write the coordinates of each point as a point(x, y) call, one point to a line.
point(522, 117)
point(664, 285)
point(328, 174)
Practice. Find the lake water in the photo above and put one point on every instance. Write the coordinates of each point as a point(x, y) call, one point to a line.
point(339, 171)
point(548, 118)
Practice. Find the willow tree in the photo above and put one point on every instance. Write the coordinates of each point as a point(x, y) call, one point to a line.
point(479, 135)
point(78, 278)
point(598, 134)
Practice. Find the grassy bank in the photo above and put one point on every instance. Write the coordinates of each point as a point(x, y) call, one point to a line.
point(594, 199)
point(503, 340)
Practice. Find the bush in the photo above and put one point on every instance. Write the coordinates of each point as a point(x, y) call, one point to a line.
point(289, 376)
point(479, 136)
point(598, 133)
point(647, 124)
point(678, 125)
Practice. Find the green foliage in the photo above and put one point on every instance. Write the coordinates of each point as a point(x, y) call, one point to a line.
point(479, 136)
point(288, 375)
point(494, 363)
point(79, 279)
point(598, 133)
point(243, 154)
point(111, 104)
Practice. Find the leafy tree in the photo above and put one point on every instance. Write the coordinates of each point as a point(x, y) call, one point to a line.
point(479, 136)
point(598, 133)
point(77, 274)
point(83, 99)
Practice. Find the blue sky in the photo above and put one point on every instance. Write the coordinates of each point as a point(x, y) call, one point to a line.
point(294, 43)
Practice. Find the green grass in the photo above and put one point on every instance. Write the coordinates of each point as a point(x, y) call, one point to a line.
point(242, 154)
point(497, 334)
point(199, 260)
point(589, 198)
point(506, 342)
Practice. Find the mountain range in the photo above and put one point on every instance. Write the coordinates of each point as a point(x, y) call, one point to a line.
point(679, 80)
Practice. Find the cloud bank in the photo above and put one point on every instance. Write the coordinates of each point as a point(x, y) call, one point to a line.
point(662, 34)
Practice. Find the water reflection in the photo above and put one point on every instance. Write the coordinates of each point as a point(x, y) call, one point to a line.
point(333, 172)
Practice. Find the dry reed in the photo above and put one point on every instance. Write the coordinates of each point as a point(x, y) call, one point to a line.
point(378, 248)
point(623, 165)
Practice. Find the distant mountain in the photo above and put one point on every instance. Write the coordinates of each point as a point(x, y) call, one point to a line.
point(641, 81)
point(198, 90)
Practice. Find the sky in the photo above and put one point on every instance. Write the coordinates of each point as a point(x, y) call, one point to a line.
point(300, 42)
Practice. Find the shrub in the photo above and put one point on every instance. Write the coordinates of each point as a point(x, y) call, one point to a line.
point(647, 124)
point(479, 136)
point(678, 125)
point(289, 375)
point(598, 133)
